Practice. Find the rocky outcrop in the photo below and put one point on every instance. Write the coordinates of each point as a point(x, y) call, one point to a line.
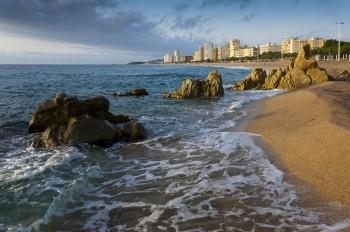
point(300, 73)
point(68, 120)
point(255, 80)
point(273, 79)
point(133, 92)
point(209, 87)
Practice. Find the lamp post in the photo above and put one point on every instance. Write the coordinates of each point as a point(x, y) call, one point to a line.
point(339, 24)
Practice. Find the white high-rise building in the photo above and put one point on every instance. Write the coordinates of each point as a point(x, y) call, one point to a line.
point(208, 51)
point(234, 45)
point(177, 56)
point(168, 58)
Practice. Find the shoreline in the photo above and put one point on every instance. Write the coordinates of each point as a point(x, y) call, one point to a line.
point(333, 67)
point(306, 138)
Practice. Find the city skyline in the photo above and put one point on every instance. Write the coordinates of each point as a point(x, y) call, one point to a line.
point(120, 31)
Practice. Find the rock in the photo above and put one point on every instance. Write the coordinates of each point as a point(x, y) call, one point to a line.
point(294, 79)
point(272, 80)
point(47, 113)
point(133, 92)
point(90, 130)
point(343, 76)
point(137, 92)
point(68, 120)
point(255, 80)
point(59, 98)
point(52, 136)
point(304, 59)
point(300, 73)
point(209, 87)
point(134, 131)
point(317, 75)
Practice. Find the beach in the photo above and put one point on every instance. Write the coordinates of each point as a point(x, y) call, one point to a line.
point(332, 67)
point(308, 131)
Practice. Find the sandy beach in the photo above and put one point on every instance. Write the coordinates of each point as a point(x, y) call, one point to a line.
point(308, 131)
point(332, 67)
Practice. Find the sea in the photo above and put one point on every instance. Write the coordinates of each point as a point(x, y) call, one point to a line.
point(196, 171)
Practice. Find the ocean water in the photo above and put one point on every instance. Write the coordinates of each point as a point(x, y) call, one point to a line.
point(195, 172)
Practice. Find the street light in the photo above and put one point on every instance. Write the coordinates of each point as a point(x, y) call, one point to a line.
point(339, 24)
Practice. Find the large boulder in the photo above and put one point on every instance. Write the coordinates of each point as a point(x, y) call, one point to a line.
point(304, 59)
point(301, 72)
point(273, 79)
point(255, 80)
point(68, 120)
point(90, 130)
point(209, 87)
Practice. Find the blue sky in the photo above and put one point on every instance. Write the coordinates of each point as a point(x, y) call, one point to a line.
point(119, 31)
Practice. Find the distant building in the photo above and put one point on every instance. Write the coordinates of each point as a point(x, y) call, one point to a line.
point(198, 55)
point(188, 59)
point(316, 42)
point(293, 45)
point(208, 51)
point(234, 45)
point(246, 52)
point(215, 54)
point(177, 56)
point(168, 58)
point(223, 52)
point(269, 47)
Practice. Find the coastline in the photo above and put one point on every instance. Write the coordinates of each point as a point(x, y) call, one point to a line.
point(308, 137)
point(332, 67)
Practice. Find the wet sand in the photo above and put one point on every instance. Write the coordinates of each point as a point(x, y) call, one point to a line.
point(308, 131)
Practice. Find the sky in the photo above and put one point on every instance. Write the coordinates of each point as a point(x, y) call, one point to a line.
point(121, 31)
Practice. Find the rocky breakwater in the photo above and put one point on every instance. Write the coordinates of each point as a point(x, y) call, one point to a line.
point(209, 87)
point(302, 72)
point(68, 120)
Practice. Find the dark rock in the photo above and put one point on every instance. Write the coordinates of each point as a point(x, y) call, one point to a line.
point(137, 92)
point(68, 120)
point(53, 136)
point(90, 130)
point(134, 131)
point(343, 76)
point(48, 113)
point(133, 92)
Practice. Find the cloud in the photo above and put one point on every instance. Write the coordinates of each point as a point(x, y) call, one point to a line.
point(248, 18)
point(92, 22)
point(241, 3)
point(181, 6)
point(188, 23)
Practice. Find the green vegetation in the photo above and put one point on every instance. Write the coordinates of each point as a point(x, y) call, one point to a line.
point(331, 47)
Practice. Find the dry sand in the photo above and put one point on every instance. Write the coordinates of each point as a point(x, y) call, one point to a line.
point(332, 67)
point(309, 131)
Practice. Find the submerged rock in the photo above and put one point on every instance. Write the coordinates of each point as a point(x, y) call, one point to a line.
point(209, 87)
point(135, 131)
point(301, 72)
point(133, 92)
point(68, 120)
